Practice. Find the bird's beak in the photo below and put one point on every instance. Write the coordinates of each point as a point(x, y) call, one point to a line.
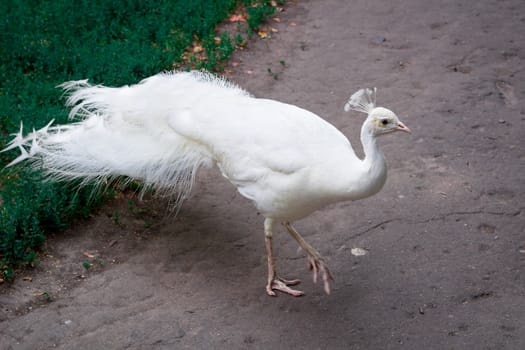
point(403, 127)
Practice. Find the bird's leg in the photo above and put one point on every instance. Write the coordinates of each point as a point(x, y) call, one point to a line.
point(274, 282)
point(315, 260)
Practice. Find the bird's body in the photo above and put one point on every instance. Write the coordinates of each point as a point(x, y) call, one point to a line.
point(287, 160)
point(259, 149)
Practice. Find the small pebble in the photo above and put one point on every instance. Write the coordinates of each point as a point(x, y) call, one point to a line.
point(378, 39)
point(358, 251)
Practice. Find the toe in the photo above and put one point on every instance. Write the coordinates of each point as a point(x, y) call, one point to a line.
point(293, 282)
point(270, 292)
point(283, 286)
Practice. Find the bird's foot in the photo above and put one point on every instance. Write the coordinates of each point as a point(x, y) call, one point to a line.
point(283, 285)
point(319, 267)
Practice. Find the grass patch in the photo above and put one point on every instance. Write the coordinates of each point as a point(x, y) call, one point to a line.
point(44, 43)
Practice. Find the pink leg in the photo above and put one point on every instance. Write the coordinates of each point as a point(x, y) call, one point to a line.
point(315, 260)
point(274, 282)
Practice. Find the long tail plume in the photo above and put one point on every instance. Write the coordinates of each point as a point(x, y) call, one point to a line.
point(120, 132)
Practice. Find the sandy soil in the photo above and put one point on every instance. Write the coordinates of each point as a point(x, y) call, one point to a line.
point(444, 240)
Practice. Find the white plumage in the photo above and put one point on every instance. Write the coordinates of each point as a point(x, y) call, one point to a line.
point(288, 161)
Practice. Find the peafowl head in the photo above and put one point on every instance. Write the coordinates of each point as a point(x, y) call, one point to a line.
point(380, 120)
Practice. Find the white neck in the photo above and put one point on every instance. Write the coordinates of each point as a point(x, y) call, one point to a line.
point(374, 158)
point(370, 175)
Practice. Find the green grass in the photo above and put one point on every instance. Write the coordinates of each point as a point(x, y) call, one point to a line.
point(113, 42)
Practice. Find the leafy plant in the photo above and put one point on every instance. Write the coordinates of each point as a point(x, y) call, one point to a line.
point(257, 12)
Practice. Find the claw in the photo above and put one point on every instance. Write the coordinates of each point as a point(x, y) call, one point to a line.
point(314, 267)
point(318, 266)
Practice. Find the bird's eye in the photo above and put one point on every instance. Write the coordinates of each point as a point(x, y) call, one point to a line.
point(384, 121)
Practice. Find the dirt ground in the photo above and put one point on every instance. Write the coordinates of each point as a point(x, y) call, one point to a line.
point(444, 240)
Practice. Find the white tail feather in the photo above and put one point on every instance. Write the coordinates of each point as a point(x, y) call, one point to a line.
point(124, 132)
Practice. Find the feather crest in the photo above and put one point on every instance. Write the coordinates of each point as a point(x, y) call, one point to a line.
point(363, 100)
